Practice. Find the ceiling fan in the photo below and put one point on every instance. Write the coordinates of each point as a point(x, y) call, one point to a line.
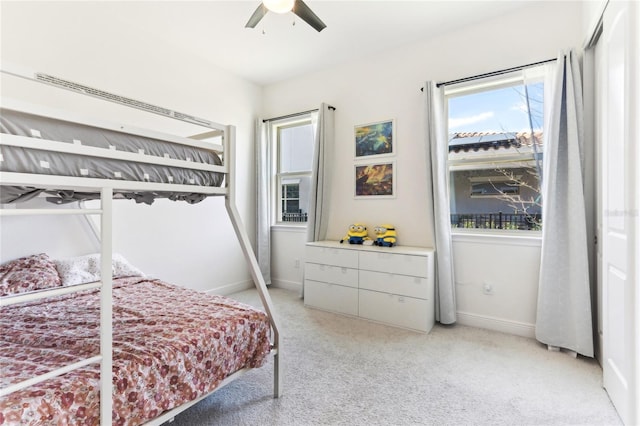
point(283, 6)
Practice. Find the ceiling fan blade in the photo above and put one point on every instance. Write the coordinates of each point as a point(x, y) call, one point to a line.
point(257, 16)
point(307, 15)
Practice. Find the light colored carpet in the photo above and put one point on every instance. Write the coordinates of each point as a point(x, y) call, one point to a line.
point(345, 371)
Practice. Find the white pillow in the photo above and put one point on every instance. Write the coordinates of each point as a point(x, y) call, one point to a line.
point(86, 269)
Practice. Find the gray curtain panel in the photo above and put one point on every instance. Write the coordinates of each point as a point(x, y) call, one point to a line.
point(321, 175)
point(263, 199)
point(564, 298)
point(438, 193)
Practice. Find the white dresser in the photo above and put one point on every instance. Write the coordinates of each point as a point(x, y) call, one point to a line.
point(390, 285)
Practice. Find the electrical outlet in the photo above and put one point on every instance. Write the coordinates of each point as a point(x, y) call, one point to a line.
point(296, 263)
point(487, 288)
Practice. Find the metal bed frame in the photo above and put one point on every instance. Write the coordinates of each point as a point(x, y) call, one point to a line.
point(106, 187)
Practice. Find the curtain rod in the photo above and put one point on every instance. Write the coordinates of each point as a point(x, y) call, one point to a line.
point(295, 114)
point(491, 74)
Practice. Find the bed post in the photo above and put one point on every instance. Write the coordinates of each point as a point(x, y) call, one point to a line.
point(106, 319)
point(245, 244)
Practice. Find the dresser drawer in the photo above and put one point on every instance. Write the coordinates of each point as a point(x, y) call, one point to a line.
point(332, 256)
point(331, 297)
point(401, 285)
point(331, 274)
point(395, 263)
point(400, 311)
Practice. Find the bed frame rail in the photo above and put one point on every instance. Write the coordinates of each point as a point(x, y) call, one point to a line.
point(61, 83)
point(63, 147)
point(254, 268)
point(79, 184)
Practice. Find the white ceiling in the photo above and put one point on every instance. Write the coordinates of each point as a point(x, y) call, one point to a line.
point(276, 49)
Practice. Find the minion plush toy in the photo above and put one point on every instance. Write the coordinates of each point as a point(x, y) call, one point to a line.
point(385, 235)
point(357, 234)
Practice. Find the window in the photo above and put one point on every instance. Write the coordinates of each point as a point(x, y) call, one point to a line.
point(494, 186)
point(291, 211)
point(293, 158)
point(496, 152)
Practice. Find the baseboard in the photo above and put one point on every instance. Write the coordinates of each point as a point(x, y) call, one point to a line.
point(247, 285)
point(497, 324)
point(231, 288)
point(287, 285)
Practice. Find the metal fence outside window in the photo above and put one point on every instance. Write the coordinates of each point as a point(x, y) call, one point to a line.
point(514, 221)
point(298, 216)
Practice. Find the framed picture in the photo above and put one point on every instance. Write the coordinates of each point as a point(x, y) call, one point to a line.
point(375, 180)
point(375, 139)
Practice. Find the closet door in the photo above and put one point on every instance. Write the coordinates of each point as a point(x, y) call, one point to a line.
point(617, 68)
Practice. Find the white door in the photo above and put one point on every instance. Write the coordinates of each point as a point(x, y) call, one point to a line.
point(615, 66)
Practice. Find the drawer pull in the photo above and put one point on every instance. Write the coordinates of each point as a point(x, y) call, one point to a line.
point(400, 299)
point(344, 270)
point(417, 280)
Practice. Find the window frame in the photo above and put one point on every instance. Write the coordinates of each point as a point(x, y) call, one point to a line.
point(279, 176)
point(486, 84)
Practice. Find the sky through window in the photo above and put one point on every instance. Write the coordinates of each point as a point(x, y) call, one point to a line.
point(500, 110)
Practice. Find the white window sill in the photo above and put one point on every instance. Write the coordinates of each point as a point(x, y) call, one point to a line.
point(520, 238)
point(302, 228)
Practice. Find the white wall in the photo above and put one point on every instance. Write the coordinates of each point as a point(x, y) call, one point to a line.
point(497, 282)
point(189, 245)
point(287, 246)
point(387, 85)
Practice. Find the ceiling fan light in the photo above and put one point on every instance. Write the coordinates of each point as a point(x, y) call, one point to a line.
point(279, 6)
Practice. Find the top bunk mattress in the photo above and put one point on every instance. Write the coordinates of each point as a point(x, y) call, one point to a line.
point(43, 162)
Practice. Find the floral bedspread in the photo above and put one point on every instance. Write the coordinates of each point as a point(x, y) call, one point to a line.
point(170, 346)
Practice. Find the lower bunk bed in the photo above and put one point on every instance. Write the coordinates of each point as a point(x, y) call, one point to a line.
point(171, 345)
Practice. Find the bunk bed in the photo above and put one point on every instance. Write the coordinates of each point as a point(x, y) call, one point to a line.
point(189, 352)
